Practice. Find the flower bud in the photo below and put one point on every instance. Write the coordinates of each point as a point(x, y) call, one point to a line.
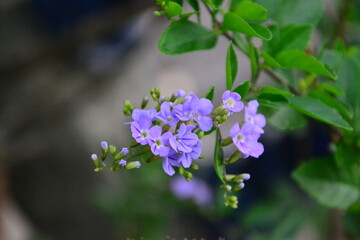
point(235, 157)
point(201, 134)
point(194, 166)
point(226, 187)
point(124, 151)
point(188, 175)
point(180, 93)
point(128, 108)
point(227, 141)
point(241, 177)
point(122, 163)
point(112, 150)
point(104, 145)
point(132, 165)
point(95, 159)
point(144, 102)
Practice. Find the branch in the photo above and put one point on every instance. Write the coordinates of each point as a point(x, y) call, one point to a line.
point(270, 72)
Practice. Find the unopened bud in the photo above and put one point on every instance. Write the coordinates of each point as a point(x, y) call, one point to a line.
point(188, 175)
point(122, 163)
point(104, 145)
point(95, 159)
point(241, 177)
point(132, 165)
point(128, 108)
point(112, 149)
point(201, 134)
point(218, 109)
point(226, 187)
point(227, 141)
point(144, 102)
point(194, 166)
point(124, 151)
point(180, 93)
point(235, 157)
point(157, 13)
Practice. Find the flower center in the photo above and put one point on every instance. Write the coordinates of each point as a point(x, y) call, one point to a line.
point(158, 142)
point(144, 134)
point(230, 102)
point(240, 137)
point(169, 118)
point(196, 115)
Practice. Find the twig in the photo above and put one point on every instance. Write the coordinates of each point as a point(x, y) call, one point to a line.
point(270, 72)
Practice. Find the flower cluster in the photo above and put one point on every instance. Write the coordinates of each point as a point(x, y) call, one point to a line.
point(246, 137)
point(171, 131)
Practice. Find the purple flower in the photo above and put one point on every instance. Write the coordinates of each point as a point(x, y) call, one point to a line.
point(158, 142)
point(124, 151)
point(140, 129)
point(257, 119)
point(246, 140)
point(180, 93)
point(122, 163)
point(195, 109)
point(166, 115)
point(196, 190)
point(231, 101)
point(170, 161)
point(141, 124)
point(137, 114)
point(184, 139)
point(186, 158)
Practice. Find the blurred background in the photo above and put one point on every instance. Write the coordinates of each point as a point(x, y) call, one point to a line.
point(66, 67)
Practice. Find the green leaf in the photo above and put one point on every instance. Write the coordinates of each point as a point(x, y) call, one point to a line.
point(231, 67)
point(331, 102)
point(184, 36)
point(253, 62)
point(194, 4)
point(217, 3)
point(348, 78)
point(328, 184)
point(173, 9)
point(300, 60)
point(316, 109)
point(272, 100)
point(235, 23)
point(243, 89)
point(332, 58)
point(219, 158)
point(294, 37)
point(332, 88)
point(210, 94)
point(295, 11)
point(272, 90)
point(287, 119)
point(269, 60)
point(251, 11)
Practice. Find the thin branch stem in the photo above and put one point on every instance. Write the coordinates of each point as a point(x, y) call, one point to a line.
point(270, 72)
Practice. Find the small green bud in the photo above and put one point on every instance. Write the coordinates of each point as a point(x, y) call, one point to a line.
point(227, 141)
point(95, 159)
point(112, 150)
point(144, 102)
point(229, 177)
point(118, 156)
point(218, 110)
point(201, 156)
point(157, 13)
point(194, 166)
point(132, 165)
point(128, 108)
point(235, 157)
point(241, 177)
point(188, 175)
point(165, 128)
point(201, 134)
point(181, 170)
point(226, 187)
